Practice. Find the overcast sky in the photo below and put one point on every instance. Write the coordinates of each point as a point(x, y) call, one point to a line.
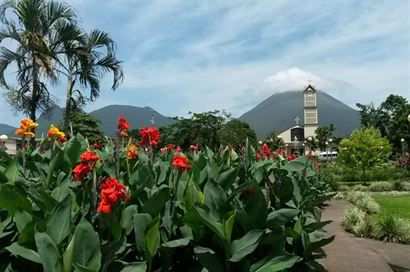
point(181, 56)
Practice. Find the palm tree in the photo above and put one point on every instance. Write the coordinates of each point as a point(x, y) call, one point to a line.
point(86, 58)
point(31, 27)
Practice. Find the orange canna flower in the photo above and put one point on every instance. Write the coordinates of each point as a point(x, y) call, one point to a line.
point(55, 133)
point(26, 127)
point(132, 151)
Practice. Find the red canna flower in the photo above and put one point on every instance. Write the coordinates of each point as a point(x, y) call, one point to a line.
point(89, 157)
point(81, 170)
point(194, 148)
point(280, 151)
point(291, 157)
point(123, 124)
point(149, 136)
point(258, 156)
point(97, 145)
point(111, 192)
point(250, 190)
point(181, 163)
point(265, 150)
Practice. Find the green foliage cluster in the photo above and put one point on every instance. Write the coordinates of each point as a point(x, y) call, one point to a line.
point(364, 149)
point(339, 173)
point(381, 225)
point(390, 118)
point(88, 126)
point(213, 129)
point(230, 212)
point(323, 135)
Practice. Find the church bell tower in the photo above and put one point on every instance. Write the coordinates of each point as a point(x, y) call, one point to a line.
point(310, 111)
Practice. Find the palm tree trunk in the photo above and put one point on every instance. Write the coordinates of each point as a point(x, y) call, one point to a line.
point(67, 112)
point(34, 94)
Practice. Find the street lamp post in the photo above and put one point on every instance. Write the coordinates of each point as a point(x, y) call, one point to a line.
point(327, 150)
point(331, 149)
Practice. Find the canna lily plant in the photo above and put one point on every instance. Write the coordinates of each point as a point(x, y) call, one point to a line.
point(75, 206)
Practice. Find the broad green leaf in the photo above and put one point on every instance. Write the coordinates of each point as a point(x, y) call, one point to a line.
point(11, 171)
point(245, 245)
point(278, 263)
point(87, 252)
point(215, 199)
point(41, 198)
point(209, 259)
point(48, 252)
point(281, 217)
point(29, 254)
point(152, 238)
point(211, 222)
point(228, 225)
point(12, 199)
point(140, 222)
point(72, 149)
point(177, 243)
point(22, 218)
point(58, 223)
point(127, 218)
point(156, 203)
point(68, 256)
point(227, 178)
point(135, 267)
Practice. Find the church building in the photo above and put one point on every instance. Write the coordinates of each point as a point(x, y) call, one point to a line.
point(294, 138)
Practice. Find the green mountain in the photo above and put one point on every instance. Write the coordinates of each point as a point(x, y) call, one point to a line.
point(278, 112)
point(138, 117)
point(8, 130)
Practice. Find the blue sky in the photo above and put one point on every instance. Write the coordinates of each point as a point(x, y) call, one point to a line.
point(181, 56)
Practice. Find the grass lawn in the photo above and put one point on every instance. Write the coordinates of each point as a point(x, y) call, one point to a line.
point(396, 205)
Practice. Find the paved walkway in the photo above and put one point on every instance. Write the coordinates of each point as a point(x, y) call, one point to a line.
point(348, 253)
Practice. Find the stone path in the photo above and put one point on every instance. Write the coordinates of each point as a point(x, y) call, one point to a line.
point(348, 253)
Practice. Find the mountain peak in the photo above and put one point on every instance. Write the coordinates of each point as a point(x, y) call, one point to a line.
point(277, 113)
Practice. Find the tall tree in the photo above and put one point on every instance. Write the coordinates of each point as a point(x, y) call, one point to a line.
point(30, 26)
point(85, 59)
point(390, 118)
point(324, 134)
point(235, 133)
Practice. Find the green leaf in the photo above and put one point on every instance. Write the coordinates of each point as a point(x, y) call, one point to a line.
point(68, 256)
point(48, 252)
point(215, 198)
point(72, 149)
point(87, 252)
point(11, 171)
point(127, 218)
point(245, 245)
point(211, 222)
point(156, 203)
point(274, 264)
point(29, 254)
point(140, 222)
point(177, 243)
point(152, 238)
point(281, 217)
point(58, 223)
point(12, 199)
point(208, 258)
point(228, 225)
point(135, 267)
point(227, 178)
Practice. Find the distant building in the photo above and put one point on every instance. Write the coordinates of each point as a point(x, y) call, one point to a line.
point(13, 144)
point(293, 139)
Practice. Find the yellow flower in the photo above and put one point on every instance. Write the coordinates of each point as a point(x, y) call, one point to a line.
point(54, 132)
point(26, 127)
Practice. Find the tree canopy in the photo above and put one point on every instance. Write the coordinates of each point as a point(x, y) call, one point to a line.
point(390, 118)
point(364, 149)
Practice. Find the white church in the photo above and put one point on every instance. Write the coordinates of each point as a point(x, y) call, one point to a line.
point(294, 138)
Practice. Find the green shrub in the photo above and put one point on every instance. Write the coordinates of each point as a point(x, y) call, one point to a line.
point(393, 229)
point(353, 219)
point(380, 186)
point(344, 188)
point(364, 201)
point(339, 196)
point(360, 188)
point(366, 228)
point(399, 185)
